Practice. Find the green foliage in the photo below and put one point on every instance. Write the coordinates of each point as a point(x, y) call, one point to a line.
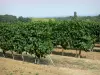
point(75, 34)
point(22, 19)
point(30, 37)
point(8, 18)
point(40, 37)
point(37, 74)
point(13, 19)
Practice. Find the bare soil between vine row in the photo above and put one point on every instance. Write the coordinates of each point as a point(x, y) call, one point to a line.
point(89, 64)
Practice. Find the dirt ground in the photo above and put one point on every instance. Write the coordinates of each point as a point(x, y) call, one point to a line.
point(63, 66)
point(89, 64)
point(95, 55)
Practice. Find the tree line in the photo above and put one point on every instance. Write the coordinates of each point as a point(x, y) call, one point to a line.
point(87, 18)
point(13, 19)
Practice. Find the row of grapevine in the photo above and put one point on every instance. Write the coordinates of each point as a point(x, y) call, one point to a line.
point(39, 38)
point(74, 34)
point(33, 38)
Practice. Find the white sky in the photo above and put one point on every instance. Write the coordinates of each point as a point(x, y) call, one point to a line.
point(49, 8)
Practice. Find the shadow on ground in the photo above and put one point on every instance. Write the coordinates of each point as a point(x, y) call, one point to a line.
point(66, 54)
point(96, 50)
point(31, 59)
point(27, 58)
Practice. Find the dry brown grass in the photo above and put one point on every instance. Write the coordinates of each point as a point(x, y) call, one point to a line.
point(64, 65)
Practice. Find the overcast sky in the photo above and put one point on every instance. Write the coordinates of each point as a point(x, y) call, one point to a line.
point(49, 8)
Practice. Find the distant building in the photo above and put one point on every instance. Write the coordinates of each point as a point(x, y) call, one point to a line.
point(75, 14)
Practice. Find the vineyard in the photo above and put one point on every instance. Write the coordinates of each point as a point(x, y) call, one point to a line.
point(50, 37)
point(40, 38)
